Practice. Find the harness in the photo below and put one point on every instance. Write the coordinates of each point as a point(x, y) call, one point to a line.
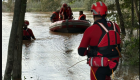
point(108, 42)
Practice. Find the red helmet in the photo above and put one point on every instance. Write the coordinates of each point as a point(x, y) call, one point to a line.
point(26, 22)
point(64, 5)
point(99, 8)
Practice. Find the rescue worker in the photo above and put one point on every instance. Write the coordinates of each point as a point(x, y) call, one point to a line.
point(27, 32)
point(101, 41)
point(66, 12)
point(81, 16)
point(55, 16)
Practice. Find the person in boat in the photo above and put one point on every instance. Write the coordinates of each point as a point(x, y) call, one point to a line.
point(55, 16)
point(101, 44)
point(66, 12)
point(27, 32)
point(81, 16)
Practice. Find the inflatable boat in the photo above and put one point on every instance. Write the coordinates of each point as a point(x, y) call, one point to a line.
point(70, 26)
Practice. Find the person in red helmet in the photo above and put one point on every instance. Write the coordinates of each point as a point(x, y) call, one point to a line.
point(101, 44)
point(27, 32)
point(55, 16)
point(66, 12)
point(81, 16)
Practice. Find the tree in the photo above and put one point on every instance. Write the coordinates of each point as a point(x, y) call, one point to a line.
point(136, 8)
point(15, 42)
point(120, 17)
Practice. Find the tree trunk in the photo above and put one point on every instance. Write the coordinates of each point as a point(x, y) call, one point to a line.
point(120, 17)
point(17, 65)
point(136, 8)
point(132, 10)
point(11, 46)
point(139, 27)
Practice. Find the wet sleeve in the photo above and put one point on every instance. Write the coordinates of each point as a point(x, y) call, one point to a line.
point(82, 49)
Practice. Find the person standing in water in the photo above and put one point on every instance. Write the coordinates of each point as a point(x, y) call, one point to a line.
point(27, 32)
point(101, 43)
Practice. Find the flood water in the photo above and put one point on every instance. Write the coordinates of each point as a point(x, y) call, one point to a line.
point(52, 53)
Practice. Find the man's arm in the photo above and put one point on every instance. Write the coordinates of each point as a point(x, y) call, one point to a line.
point(31, 33)
point(61, 10)
point(70, 12)
point(82, 49)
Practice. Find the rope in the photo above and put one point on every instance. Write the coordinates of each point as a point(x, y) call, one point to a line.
point(77, 63)
point(112, 74)
point(93, 73)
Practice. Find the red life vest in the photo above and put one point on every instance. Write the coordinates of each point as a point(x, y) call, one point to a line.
point(56, 18)
point(107, 46)
point(108, 42)
point(82, 16)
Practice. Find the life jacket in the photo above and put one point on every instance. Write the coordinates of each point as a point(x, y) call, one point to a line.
point(82, 16)
point(108, 42)
point(56, 18)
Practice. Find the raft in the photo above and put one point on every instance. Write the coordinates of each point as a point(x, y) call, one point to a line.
point(70, 26)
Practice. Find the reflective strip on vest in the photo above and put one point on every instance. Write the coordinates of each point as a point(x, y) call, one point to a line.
point(103, 27)
point(91, 61)
point(113, 25)
point(102, 62)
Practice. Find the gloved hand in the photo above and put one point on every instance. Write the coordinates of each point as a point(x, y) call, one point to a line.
point(87, 60)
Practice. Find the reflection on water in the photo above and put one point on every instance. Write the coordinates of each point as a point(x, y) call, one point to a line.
point(52, 53)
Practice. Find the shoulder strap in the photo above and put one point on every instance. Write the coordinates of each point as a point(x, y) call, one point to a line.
point(106, 30)
point(113, 25)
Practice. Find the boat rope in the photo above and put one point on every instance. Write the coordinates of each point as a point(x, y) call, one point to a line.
point(77, 63)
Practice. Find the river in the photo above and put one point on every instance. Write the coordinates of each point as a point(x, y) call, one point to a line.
point(51, 54)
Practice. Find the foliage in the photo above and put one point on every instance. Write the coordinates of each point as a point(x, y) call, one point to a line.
point(43, 5)
point(7, 7)
point(131, 51)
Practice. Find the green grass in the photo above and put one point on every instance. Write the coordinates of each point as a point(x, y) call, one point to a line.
point(77, 9)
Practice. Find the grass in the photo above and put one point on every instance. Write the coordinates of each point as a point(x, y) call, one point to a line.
point(77, 9)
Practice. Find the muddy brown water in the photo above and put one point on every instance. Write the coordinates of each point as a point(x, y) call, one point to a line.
point(52, 53)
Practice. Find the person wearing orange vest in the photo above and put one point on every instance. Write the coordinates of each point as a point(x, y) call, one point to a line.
point(55, 16)
point(27, 32)
point(101, 44)
point(66, 12)
point(82, 16)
